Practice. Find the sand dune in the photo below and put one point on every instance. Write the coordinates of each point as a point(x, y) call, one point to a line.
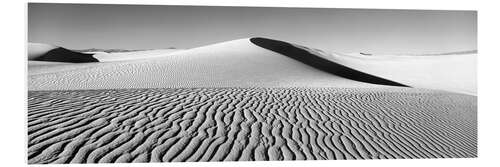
point(455, 72)
point(58, 54)
point(233, 63)
point(38, 49)
point(230, 124)
point(237, 63)
point(51, 53)
point(314, 60)
point(248, 99)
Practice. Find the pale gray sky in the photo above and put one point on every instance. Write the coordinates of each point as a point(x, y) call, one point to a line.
point(81, 26)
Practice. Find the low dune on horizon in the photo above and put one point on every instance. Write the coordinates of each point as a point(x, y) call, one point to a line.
point(245, 100)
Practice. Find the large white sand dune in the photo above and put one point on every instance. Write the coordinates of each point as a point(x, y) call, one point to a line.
point(240, 63)
point(237, 63)
point(237, 101)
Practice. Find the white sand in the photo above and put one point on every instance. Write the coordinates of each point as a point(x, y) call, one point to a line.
point(235, 101)
point(241, 124)
point(450, 72)
point(134, 55)
point(240, 63)
point(455, 73)
point(237, 63)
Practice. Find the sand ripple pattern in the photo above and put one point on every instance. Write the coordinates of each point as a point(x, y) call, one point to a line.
point(247, 124)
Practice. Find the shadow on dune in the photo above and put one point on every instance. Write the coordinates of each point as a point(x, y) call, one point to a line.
point(315, 61)
point(64, 55)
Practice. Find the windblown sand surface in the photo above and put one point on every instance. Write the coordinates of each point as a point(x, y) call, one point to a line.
point(240, 63)
point(231, 124)
point(247, 99)
point(133, 55)
point(455, 72)
point(237, 63)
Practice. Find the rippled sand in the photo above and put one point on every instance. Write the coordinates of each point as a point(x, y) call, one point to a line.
point(240, 124)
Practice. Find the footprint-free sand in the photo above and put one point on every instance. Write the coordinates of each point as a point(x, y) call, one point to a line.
point(238, 101)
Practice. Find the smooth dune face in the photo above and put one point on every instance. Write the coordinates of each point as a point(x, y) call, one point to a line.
point(306, 57)
point(133, 55)
point(240, 124)
point(450, 72)
point(237, 63)
point(455, 73)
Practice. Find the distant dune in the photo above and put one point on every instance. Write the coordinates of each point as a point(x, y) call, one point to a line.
point(50, 53)
point(44, 52)
point(64, 55)
point(247, 99)
point(38, 49)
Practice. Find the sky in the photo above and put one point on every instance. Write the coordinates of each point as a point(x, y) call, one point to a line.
point(83, 26)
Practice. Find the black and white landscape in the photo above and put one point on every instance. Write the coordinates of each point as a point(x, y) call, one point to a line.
point(247, 99)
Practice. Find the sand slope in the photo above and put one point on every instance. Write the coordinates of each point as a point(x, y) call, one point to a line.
point(132, 55)
point(229, 124)
point(239, 101)
point(246, 63)
point(237, 63)
point(455, 72)
point(303, 55)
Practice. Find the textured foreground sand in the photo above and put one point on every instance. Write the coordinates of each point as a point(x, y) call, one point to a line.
point(228, 124)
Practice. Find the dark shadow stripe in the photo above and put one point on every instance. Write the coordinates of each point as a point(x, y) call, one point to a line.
point(64, 55)
point(315, 61)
